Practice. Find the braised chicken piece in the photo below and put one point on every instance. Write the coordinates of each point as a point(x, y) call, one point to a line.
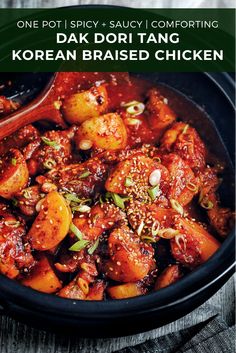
point(27, 200)
point(184, 140)
point(222, 219)
point(98, 219)
point(183, 184)
point(51, 150)
point(151, 220)
point(84, 179)
point(15, 252)
point(19, 139)
point(160, 115)
point(122, 202)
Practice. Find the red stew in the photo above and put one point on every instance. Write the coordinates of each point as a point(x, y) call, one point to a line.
point(120, 203)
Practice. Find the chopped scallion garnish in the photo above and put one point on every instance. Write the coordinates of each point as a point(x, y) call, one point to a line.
point(128, 181)
point(177, 207)
point(14, 224)
point(27, 193)
point(81, 208)
point(191, 186)
point(13, 161)
point(85, 174)
point(185, 129)
point(118, 200)
point(93, 247)
point(48, 142)
point(168, 233)
point(148, 239)
point(134, 107)
point(140, 228)
point(155, 228)
point(79, 245)
point(153, 192)
point(207, 204)
point(49, 163)
point(76, 231)
point(14, 202)
point(72, 197)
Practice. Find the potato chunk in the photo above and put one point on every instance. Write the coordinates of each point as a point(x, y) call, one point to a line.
point(170, 275)
point(42, 277)
point(13, 174)
point(126, 290)
point(194, 245)
point(106, 131)
point(84, 105)
point(52, 223)
point(131, 260)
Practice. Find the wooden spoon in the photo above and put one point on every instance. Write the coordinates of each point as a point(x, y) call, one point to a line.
point(45, 107)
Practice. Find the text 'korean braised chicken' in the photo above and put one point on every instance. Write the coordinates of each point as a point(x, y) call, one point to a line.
point(119, 203)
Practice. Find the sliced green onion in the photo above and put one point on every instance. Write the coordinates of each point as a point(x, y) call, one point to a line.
point(177, 207)
point(136, 109)
point(155, 228)
point(149, 239)
point(101, 200)
point(132, 121)
point(157, 159)
point(27, 194)
point(76, 231)
point(93, 247)
point(48, 142)
point(140, 228)
point(128, 181)
point(191, 186)
point(201, 196)
point(128, 104)
point(185, 129)
point(85, 174)
point(153, 192)
point(14, 224)
point(178, 238)
point(207, 204)
point(79, 245)
point(168, 233)
point(49, 163)
point(119, 201)
point(81, 208)
point(14, 202)
point(13, 161)
point(72, 197)
point(107, 195)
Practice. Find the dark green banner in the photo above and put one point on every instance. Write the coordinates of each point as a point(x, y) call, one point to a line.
point(117, 39)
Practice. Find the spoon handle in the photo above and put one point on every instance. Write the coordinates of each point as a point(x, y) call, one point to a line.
point(30, 114)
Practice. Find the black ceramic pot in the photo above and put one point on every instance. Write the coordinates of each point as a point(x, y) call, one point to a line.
point(214, 93)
